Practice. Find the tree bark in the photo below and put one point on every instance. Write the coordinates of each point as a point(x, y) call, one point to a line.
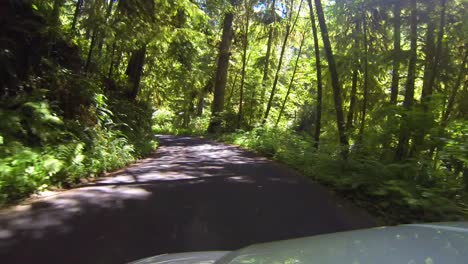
point(318, 71)
point(56, 11)
point(438, 51)
point(244, 62)
point(354, 78)
point(291, 81)
point(90, 51)
point(101, 37)
point(402, 147)
point(266, 67)
point(396, 52)
point(429, 63)
point(111, 67)
point(280, 62)
point(334, 79)
point(135, 70)
point(79, 3)
point(366, 78)
point(201, 97)
point(221, 74)
point(456, 88)
point(231, 91)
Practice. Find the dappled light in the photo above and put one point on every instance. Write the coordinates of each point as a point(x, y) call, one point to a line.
point(183, 160)
point(193, 194)
point(130, 128)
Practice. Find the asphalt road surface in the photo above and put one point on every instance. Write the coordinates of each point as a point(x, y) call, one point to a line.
point(193, 194)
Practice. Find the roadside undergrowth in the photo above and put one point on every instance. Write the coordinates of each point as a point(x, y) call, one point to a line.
point(393, 192)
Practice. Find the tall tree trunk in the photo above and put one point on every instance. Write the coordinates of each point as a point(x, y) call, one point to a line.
point(354, 78)
point(135, 70)
point(456, 88)
point(101, 37)
point(429, 63)
point(402, 147)
point(90, 51)
point(76, 14)
point(233, 86)
point(318, 71)
point(200, 105)
point(266, 67)
point(221, 74)
point(396, 52)
point(56, 11)
point(244, 61)
point(430, 71)
point(438, 51)
point(280, 62)
point(334, 79)
point(111, 67)
point(449, 107)
point(201, 97)
point(118, 61)
point(366, 78)
point(291, 81)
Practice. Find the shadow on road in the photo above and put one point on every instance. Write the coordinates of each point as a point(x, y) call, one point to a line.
point(193, 194)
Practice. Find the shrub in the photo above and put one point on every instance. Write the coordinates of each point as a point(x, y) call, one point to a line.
point(394, 192)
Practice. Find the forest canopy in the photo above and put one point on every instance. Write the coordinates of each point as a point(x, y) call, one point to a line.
point(367, 97)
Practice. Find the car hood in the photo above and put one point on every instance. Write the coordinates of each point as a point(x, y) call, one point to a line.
point(418, 243)
point(413, 244)
point(208, 257)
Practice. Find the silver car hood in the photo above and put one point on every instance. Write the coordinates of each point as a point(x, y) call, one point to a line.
point(208, 257)
point(445, 243)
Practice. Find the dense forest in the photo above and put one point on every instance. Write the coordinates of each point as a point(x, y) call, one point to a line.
point(368, 97)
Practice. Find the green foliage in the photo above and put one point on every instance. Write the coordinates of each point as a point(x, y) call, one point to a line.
point(457, 143)
point(39, 149)
point(165, 122)
point(84, 88)
point(395, 192)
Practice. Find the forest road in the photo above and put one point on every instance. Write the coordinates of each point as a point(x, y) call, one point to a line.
point(193, 194)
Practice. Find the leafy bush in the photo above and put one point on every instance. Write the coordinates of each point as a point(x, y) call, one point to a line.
point(164, 123)
point(39, 149)
point(394, 192)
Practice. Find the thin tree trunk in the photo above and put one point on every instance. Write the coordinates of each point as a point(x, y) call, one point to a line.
point(200, 105)
point(280, 62)
point(244, 63)
point(366, 79)
point(233, 86)
point(90, 52)
point(450, 104)
point(291, 81)
point(429, 63)
point(79, 3)
point(402, 147)
point(318, 71)
point(334, 79)
point(354, 79)
point(135, 70)
point(268, 51)
point(111, 67)
point(117, 62)
point(438, 51)
point(456, 88)
point(221, 74)
point(201, 98)
point(56, 11)
point(429, 70)
point(396, 52)
point(101, 39)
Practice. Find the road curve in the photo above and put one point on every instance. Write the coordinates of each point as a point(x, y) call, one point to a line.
point(192, 195)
